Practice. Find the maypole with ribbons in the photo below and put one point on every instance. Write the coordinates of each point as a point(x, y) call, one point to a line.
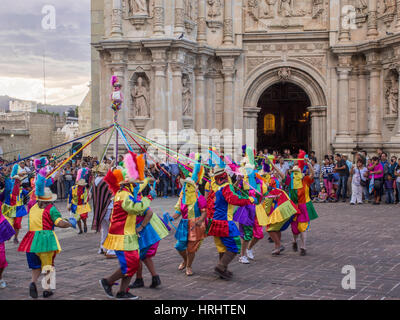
point(117, 100)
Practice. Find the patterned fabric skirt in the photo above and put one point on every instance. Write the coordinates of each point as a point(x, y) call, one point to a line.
point(231, 244)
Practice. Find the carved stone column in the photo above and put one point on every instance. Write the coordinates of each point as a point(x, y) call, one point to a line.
point(372, 22)
point(200, 108)
point(362, 102)
point(374, 109)
point(116, 19)
point(228, 24)
point(177, 94)
point(160, 114)
point(396, 138)
point(250, 115)
point(344, 34)
point(201, 22)
point(318, 131)
point(343, 70)
point(179, 17)
point(158, 23)
point(210, 113)
point(228, 71)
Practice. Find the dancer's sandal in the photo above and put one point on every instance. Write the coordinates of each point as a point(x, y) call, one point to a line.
point(276, 252)
point(189, 271)
point(182, 266)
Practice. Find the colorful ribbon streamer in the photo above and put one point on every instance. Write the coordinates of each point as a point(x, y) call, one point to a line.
point(63, 144)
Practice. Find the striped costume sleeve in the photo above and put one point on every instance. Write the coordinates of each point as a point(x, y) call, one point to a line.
point(232, 198)
point(138, 208)
point(55, 215)
point(143, 185)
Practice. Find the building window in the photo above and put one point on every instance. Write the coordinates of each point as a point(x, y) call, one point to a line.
point(269, 124)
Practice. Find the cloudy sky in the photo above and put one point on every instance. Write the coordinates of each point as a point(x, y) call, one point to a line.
point(23, 43)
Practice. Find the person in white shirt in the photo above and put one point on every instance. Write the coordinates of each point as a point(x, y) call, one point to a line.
point(358, 178)
point(23, 170)
point(283, 168)
point(316, 185)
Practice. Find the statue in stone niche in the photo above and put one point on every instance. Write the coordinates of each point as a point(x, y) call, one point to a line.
point(285, 8)
point(187, 97)
point(317, 8)
point(392, 95)
point(189, 9)
point(267, 9)
point(214, 8)
point(253, 8)
point(140, 97)
point(138, 7)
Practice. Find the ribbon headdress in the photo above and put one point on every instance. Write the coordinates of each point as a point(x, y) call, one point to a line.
point(248, 170)
point(40, 163)
point(134, 168)
point(113, 178)
point(81, 176)
point(218, 163)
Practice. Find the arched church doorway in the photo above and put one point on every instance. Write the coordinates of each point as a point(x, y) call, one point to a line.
point(283, 121)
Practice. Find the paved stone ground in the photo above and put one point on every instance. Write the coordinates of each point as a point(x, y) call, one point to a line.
point(363, 236)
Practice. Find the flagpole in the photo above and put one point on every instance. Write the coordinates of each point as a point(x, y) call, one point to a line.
point(116, 136)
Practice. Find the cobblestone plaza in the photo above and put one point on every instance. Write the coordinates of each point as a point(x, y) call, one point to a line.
point(363, 236)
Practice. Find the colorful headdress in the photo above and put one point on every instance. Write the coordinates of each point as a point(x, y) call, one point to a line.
point(232, 165)
point(114, 81)
point(113, 179)
point(134, 167)
point(250, 156)
point(40, 184)
point(184, 169)
point(14, 170)
point(197, 174)
point(47, 196)
point(40, 163)
point(217, 162)
point(81, 176)
point(301, 156)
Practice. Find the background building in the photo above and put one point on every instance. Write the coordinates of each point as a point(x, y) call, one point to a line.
point(27, 133)
point(287, 68)
point(23, 106)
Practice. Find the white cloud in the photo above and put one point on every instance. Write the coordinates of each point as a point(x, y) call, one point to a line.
point(57, 91)
point(23, 41)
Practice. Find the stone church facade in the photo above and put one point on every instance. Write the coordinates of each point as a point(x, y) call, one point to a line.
point(208, 63)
